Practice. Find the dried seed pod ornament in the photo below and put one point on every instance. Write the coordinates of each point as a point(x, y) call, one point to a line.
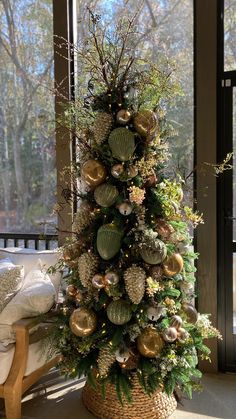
point(106, 359)
point(102, 126)
point(87, 268)
point(135, 279)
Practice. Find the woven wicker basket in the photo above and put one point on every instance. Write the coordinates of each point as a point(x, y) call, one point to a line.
point(158, 406)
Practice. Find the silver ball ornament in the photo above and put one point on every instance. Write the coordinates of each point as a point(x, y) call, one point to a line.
point(125, 208)
point(117, 170)
point(170, 334)
point(176, 322)
point(98, 281)
point(111, 278)
point(183, 335)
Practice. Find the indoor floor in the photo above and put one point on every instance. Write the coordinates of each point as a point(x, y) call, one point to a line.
point(54, 398)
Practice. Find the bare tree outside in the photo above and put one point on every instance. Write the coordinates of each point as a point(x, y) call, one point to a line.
point(27, 142)
point(165, 29)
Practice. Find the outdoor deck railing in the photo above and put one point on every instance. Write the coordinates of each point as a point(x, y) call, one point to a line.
point(26, 240)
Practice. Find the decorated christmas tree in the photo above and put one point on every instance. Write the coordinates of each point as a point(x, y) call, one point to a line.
point(128, 322)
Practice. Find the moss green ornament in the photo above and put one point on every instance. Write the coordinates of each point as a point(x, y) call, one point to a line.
point(105, 195)
point(108, 241)
point(119, 312)
point(122, 144)
point(154, 254)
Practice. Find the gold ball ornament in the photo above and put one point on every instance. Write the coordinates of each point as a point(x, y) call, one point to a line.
point(145, 123)
point(190, 312)
point(123, 116)
point(111, 278)
point(125, 208)
point(173, 264)
point(93, 173)
point(79, 296)
point(83, 322)
point(117, 170)
point(170, 334)
point(98, 281)
point(150, 343)
point(71, 291)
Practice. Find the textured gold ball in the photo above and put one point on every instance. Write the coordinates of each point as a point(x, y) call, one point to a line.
point(145, 123)
point(71, 291)
point(83, 322)
point(93, 172)
point(117, 170)
point(173, 264)
point(123, 116)
point(150, 343)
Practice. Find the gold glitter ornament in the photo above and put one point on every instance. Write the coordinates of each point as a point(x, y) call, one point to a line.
point(102, 126)
point(93, 173)
point(106, 359)
point(123, 116)
point(145, 123)
point(150, 343)
point(135, 279)
point(82, 218)
point(83, 322)
point(87, 268)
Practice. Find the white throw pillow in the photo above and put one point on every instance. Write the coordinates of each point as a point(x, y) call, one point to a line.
point(36, 297)
point(28, 258)
point(11, 277)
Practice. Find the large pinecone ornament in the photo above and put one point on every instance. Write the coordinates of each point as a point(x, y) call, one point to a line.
point(102, 127)
point(87, 268)
point(106, 359)
point(82, 219)
point(135, 278)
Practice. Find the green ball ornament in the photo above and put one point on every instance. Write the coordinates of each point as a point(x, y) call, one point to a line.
point(122, 144)
point(155, 254)
point(105, 195)
point(119, 312)
point(108, 241)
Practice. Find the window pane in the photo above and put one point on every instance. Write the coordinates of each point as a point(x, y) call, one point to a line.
point(27, 143)
point(234, 163)
point(230, 35)
point(166, 37)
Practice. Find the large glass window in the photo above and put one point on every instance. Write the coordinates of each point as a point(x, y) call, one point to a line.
point(229, 35)
point(165, 29)
point(27, 143)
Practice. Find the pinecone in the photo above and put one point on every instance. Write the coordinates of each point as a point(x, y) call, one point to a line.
point(135, 278)
point(102, 127)
point(105, 360)
point(82, 219)
point(87, 268)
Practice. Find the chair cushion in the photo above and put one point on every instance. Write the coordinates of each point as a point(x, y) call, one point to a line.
point(11, 277)
point(29, 257)
point(37, 356)
point(36, 297)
